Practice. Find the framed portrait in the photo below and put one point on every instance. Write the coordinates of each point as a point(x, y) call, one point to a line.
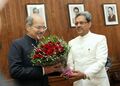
point(110, 14)
point(36, 9)
point(73, 10)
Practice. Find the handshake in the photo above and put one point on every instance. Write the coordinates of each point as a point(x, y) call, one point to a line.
point(66, 72)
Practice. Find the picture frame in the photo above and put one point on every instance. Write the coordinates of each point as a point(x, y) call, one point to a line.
point(110, 14)
point(37, 9)
point(74, 9)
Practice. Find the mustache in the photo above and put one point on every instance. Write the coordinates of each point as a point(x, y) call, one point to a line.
point(78, 26)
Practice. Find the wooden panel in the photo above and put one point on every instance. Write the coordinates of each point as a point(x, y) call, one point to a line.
point(13, 25)
point(58, 81)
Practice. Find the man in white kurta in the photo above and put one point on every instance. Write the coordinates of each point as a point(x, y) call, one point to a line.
point(88, 54)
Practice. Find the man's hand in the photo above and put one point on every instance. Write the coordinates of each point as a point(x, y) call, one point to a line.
point(74, 75)
point(78, 74)
point(51, 69)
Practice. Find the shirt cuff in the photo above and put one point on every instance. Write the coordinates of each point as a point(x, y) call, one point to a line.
point(43, 70)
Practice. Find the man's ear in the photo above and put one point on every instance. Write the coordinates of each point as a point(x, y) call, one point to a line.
point(90, 24)
point(28, 28)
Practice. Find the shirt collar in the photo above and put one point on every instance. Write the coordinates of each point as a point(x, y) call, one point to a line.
point(33, 41)
point(85, 35)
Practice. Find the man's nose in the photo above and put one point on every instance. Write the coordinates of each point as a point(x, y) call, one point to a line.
point(42, 30)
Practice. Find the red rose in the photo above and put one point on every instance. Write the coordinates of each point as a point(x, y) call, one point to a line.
point(37, 56)
point(38, 50)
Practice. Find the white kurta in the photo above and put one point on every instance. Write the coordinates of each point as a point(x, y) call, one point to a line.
point(88, 54)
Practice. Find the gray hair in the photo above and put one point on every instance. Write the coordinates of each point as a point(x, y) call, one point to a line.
point(29, 21)
point(86, 14)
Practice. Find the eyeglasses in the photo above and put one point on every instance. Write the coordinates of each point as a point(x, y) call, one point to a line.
point(39, 27)
point(81, 23)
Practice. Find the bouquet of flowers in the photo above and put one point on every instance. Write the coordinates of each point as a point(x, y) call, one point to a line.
point(51, 50)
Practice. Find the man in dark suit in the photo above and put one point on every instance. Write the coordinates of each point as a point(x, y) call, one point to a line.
point(21, 68)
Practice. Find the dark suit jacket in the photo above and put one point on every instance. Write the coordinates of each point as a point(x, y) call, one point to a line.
point(21, 68)
point(108, 63)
